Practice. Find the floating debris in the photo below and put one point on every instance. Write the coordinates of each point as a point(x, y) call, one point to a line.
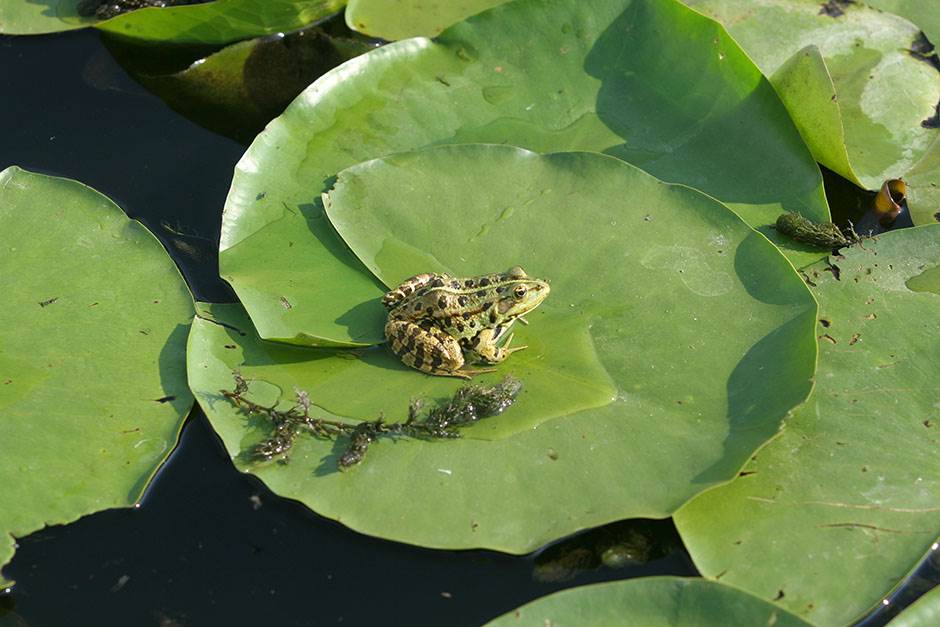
point(821, 234)
point(106, 9)
point(469, 404)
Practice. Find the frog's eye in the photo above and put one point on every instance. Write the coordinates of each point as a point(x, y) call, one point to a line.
point(519, 292)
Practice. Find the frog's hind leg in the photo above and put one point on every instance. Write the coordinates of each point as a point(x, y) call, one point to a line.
point(426, 348)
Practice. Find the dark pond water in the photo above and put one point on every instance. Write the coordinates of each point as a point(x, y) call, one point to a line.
point(210, 545)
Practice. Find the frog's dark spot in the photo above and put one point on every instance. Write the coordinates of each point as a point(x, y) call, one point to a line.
point(417, 306)
point(429, 310)
point(455, 284)
point(469, 283)
point(460, 328)
point(492, 317)
point(436, 361)
point(466, 315)
point(437, 283)
point(418, 362)
point(501, 289)
point(473, 324)
point(481, 294)
point(484, 282)
point(442, 303)
point(463, 300)
point(486, 306)
point(407, 290)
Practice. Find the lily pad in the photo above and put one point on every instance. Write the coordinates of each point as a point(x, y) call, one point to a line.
point(649, 602)
point(855, 476)
point(217, 22)
point(397, 19)
point(92, 375)
point(604, 75)
point(239, 89)
point(925, 612)
point(631, 354)
point(923, 13)
point(864, 102)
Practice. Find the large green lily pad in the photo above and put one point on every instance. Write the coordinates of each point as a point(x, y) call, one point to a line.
point(92, 375)
point(649, 602)
point(654, 397)
point(921, 12)
point(397, 19)
point(863, 102)
point(605, 75)
point(855, 476)
point(218, 22)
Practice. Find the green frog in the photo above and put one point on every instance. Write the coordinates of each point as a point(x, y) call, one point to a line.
point(437, 323)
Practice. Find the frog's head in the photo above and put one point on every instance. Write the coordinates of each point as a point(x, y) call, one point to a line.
point(521, 294)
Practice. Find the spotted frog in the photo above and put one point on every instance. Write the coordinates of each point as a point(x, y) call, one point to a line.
point(437, 323)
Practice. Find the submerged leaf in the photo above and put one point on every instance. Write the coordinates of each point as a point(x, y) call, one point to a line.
point(239, 89)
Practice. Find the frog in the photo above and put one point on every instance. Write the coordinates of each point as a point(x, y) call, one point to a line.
point(438, 323)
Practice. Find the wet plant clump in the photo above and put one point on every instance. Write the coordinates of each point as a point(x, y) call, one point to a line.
point(469, 404)
point(106, 9)
point(820, 234)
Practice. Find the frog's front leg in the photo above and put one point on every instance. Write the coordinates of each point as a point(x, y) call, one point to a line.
point(484, 347)
point(427, 348)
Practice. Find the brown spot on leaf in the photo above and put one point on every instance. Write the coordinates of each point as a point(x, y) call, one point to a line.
point(46, 303)
point(855, 338)
point(834, 269)
point(828, 338)
point(922, 50)
point(934, 120)
point(834, 8)
point(285, 303)
point(825, 322)
point(779, 596)
point(165, 399)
